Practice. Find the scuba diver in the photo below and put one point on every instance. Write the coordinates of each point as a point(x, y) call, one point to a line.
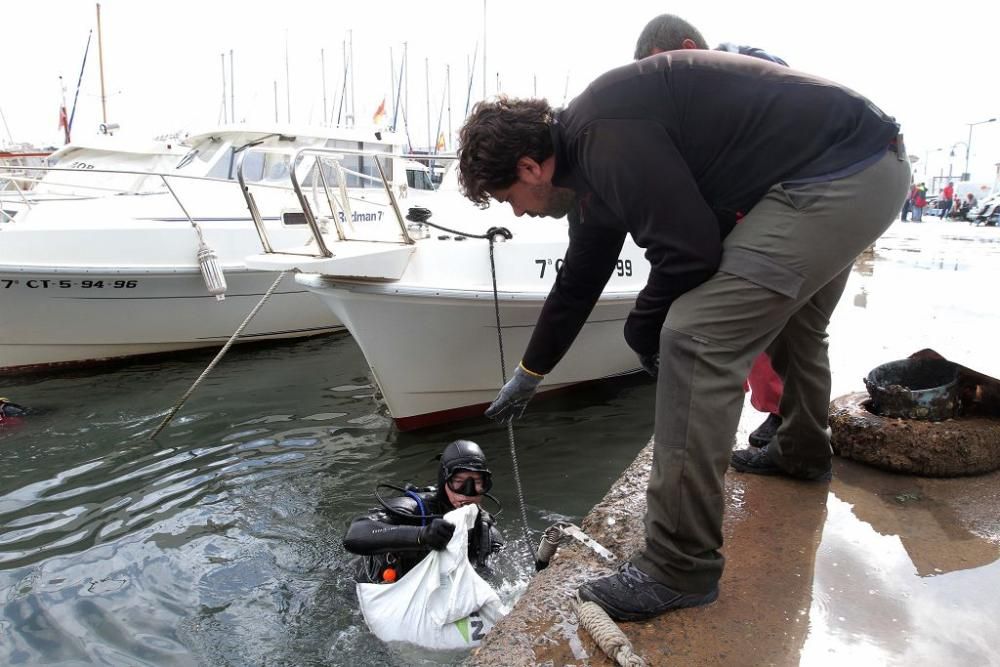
point(393, 538)
point(10, 413)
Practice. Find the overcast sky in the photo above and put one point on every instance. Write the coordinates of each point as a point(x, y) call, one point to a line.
point(933, 66)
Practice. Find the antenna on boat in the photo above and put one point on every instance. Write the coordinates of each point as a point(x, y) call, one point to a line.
point(79, 81)
point(447, 75)
point(275, 100)
point(100, 56)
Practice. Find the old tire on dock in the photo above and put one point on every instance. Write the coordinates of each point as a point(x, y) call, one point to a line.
point(962, 446)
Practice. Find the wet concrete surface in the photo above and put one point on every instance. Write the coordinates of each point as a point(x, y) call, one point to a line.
point(874, 567)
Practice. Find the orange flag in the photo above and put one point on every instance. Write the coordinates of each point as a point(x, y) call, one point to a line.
point(440, 143)
point(379, 113)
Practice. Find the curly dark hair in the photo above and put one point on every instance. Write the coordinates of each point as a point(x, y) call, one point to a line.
point(496, 135)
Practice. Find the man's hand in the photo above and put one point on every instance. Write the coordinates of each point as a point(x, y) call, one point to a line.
point(436, 534)
point(651, 363)
point(514, 396)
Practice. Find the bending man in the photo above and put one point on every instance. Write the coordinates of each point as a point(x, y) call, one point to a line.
point(671, 149)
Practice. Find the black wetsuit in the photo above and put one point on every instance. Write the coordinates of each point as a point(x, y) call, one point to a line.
point(387, 539)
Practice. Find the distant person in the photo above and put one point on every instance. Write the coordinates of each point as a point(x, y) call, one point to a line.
point(968, 206)
point(669, 32)
point(11, 413)
point(919, 202)
point(947, 195)
point(392, 538)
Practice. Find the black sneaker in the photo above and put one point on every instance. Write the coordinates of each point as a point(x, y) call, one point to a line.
point(632, 595)
point(764, 433)
point(757, 462)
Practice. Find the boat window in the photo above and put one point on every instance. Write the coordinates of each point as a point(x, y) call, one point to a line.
point(221, 168)
point(419, 179)
point(253, 167)
point(276, 167)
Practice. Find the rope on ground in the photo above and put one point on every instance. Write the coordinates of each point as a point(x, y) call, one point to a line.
point(606, 634)
point(218, 357)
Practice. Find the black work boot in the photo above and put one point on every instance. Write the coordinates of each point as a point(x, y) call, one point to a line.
point(764, 433)
point(758, 462)
point(632, 595)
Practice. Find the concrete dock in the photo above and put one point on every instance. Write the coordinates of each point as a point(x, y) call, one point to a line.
point(874, 567)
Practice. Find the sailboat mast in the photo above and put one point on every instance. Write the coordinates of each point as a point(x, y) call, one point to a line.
point(447, 74)
point(225, 109)
point(350, 43)
point(288, 82)
point(76, 95)
point(427, 79)
point(100, 56)
point(322, 69)
point(484, 49)
point(232, 88)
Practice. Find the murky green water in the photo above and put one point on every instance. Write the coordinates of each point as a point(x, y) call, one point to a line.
point(220, 542)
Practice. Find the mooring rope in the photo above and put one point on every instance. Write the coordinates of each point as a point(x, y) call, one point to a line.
point(606, 633)
point(218, 357)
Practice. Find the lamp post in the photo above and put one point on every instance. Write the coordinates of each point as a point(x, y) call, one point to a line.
point(951, 156)
point(965, 175)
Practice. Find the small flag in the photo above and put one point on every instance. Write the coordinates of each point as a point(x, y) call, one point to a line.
point(64, 123)
point(379, 116)
point(440, 143)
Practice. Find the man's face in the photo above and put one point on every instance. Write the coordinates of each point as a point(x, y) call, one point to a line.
point(455, 484)
point(533, 192)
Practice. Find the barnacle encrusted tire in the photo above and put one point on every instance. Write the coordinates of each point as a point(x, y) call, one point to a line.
point(964, 446)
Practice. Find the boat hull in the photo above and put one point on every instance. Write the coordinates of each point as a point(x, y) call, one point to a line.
point(55, 317)
point(436, 354)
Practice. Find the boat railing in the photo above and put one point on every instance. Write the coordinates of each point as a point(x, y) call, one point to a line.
point(324, 157)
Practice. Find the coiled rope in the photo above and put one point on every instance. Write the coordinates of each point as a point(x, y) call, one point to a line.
point(218, 357)
point(606, 633)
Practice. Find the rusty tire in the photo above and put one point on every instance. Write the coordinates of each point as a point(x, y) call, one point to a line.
point(951, 448)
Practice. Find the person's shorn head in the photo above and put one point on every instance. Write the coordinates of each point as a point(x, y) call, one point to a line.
point(667, 32)
point(506, 153)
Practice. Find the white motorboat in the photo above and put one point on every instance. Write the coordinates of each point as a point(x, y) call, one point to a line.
point(101, 258)
point(422, 309)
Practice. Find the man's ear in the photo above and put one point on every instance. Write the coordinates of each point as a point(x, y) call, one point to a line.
point(528, 171)
point(688, 43)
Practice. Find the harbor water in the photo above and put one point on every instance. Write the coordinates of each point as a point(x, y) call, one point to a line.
point(219, 543)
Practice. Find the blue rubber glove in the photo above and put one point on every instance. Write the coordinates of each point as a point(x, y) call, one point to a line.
point(650, 363)
point(514, 396)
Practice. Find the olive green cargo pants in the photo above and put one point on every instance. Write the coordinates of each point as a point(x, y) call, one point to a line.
point(783, 270)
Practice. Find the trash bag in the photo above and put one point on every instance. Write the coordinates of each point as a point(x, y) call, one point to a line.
point(442, 603)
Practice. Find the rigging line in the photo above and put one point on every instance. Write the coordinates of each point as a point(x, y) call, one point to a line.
point(510, 424)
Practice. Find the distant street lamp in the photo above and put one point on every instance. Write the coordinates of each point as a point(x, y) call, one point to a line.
point(951, 156)
point(965, 175)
